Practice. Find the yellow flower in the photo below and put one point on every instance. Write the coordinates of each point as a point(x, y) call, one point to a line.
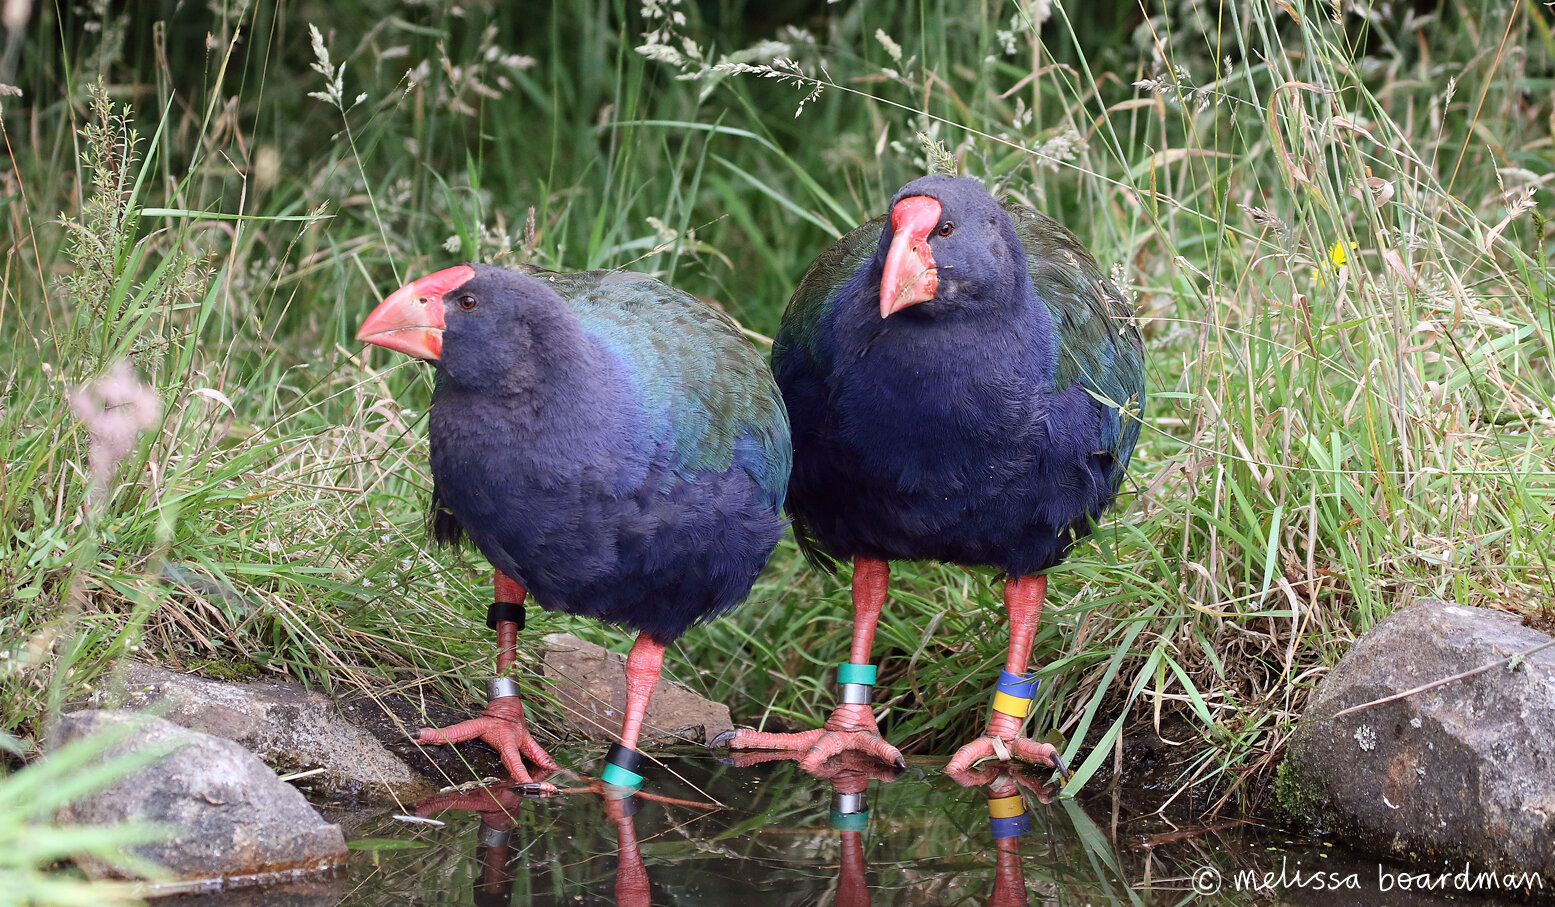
point(1338, 256)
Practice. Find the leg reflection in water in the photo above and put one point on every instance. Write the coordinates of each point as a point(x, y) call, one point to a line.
point(497, 806)
point(498, 810)
point(849, 774)
point(632, 889)
point(1008, 820)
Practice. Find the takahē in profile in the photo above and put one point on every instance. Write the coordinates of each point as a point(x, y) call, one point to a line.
point(612, 445)
point(964, 385)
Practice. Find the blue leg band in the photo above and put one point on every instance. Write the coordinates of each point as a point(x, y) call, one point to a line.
point(1017, 686)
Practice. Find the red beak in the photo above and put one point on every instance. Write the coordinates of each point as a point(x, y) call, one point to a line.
point(410, 320)
point(909, 277)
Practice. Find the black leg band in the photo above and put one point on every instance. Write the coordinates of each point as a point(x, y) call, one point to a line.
point(631, 760)
point(512, 612)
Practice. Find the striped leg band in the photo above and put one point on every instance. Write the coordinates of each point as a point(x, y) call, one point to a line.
point(1007, 816)
point(857, 681)
point(623, 767)
point(1014, 693)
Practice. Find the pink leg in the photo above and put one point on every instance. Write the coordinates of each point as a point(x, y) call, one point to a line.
point(850, 727)
point(632, 889)
point(643, 665)
point(852, 877)
point(507, 590)
point(1023, 601)
point(502, 723)
point(642, 675)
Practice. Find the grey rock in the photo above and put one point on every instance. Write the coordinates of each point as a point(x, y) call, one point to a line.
point(328, 892)
point(1465, 770)
point(292, 729)
point(589, 683)
point(236, 822)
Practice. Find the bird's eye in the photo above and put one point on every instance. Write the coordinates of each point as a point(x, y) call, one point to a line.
point(947, 229)
point(466, 302)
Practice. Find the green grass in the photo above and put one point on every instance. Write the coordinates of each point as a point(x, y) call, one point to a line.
point(1325, 441)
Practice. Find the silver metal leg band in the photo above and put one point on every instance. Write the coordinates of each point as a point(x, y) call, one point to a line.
point(849, 803)
point(493, 837)
point(501, 688)
point(855, 693)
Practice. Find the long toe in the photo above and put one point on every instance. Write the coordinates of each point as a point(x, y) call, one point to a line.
point(506, 734)
point(454, 733)
point(970, 754)
point(535, 753)
point(512, 756)
point(747, 739)
point(1039, 754)
point(990, 747)
point(834, 743)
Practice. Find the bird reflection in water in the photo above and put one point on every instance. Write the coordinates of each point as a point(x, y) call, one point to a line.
point(849, 775)
point(498, 806)
point(1008, 819)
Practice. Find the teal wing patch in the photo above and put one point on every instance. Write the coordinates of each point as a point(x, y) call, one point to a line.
point(708, 397)
point(1098, 338)
point(817, 292)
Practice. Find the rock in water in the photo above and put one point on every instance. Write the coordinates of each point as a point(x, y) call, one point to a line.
point(237, 822)
point(290, 728)
point(1462, 771)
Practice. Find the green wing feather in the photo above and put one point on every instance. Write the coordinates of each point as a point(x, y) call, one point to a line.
point(817, 292)
point(707, 394)
point(1098, 338)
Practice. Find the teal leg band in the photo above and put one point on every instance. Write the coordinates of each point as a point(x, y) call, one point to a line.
point(621, 767)
point(847, 672)
point(620, 777)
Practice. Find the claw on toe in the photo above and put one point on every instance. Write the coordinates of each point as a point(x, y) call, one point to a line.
point(994, 747)
point(813, 748)
point(1063, 770)
point(502, 727)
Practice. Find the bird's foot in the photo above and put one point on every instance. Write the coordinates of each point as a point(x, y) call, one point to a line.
point(498, 805)
point(851, 727)
point(502, 726)
point(1004, 748)
point(1002, 779)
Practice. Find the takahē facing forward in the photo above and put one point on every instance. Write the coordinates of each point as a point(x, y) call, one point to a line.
point(612, 445)
point(964, 385)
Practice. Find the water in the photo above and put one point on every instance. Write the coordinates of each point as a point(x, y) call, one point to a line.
point(707, 833)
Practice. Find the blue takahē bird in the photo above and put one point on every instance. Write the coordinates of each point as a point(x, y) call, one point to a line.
point(964, 385)
point(612, 445)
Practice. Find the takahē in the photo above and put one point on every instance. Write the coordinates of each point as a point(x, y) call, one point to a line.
point(964, 385)
point(612, 445)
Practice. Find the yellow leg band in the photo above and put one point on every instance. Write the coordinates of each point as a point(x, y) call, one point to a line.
point(1006, 807)
point(1011, 705)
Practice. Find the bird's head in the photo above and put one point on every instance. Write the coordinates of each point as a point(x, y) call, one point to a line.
point(475, 321)
point(950, 245)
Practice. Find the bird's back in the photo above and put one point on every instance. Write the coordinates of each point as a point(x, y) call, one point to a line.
point(706, 392)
